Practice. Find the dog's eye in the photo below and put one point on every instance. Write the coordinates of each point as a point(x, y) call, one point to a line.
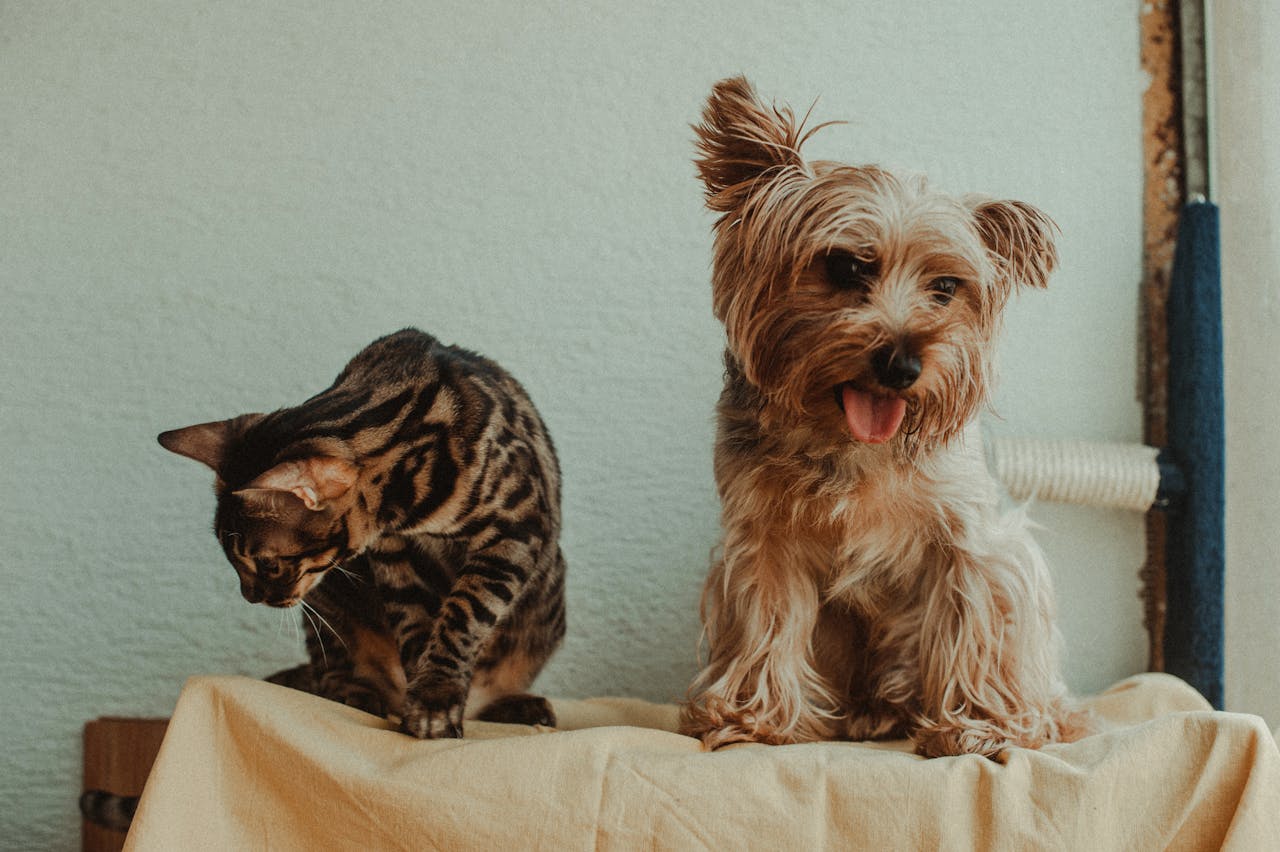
point(847, 272)
point(943, 289)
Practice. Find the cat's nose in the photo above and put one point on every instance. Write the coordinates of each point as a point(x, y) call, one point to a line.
point(251, 592)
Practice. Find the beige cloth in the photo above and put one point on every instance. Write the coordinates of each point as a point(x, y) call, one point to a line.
point(247, 765)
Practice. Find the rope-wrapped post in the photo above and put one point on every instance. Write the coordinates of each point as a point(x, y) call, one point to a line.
point(1109, 475)
point(1193, 638)
point(1186, 478)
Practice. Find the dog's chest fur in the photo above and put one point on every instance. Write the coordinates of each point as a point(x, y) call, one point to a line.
point(870, 524)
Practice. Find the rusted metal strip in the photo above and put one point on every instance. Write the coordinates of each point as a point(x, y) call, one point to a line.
point(1163, 192)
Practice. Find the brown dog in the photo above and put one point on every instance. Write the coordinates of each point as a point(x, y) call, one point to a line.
point(869, 585)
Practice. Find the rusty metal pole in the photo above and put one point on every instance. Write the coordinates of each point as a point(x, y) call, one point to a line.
point(1163, 193)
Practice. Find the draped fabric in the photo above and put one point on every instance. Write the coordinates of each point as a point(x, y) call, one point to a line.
point(249, 765)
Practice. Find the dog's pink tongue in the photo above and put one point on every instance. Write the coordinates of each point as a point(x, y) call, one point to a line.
point(872, 419)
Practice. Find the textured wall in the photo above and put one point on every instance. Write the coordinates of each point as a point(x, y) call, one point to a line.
point(1245, 73)
point(207, 208)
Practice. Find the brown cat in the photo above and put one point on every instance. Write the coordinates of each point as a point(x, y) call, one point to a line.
point(413, 511)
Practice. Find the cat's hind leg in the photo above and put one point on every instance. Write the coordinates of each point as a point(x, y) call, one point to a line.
point(498, 692)
point(301, 677)
point(340, 684)
point(519, 709)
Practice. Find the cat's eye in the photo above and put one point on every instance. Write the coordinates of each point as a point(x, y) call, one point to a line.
point(944, 289)
point(268, 568)
point(848, 272)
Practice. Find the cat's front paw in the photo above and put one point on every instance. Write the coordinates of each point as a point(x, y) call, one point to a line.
point(434, 714)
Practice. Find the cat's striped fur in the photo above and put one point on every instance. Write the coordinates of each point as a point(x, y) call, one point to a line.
point(423, 488)
point(413, 510)
point(107, 809)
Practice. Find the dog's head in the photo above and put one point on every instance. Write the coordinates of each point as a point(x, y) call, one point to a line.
point(859, 302)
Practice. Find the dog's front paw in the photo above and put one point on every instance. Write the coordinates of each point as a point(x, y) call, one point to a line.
point(434, 713)
point(734, 734)
point(717, 728)
point(948, 741)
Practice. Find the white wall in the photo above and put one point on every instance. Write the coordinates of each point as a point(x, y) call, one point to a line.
point(1245, 77)
point(207, 208)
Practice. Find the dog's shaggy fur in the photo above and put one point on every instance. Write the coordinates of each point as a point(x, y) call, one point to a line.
point(868, 585)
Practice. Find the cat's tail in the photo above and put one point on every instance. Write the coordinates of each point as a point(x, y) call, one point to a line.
point(108, 809)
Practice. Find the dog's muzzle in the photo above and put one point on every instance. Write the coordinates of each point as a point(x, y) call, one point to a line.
point(896, 369)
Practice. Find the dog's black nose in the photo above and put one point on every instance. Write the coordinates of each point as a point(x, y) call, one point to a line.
point(896, 369)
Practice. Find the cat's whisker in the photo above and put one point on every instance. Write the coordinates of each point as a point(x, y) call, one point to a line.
point(335, 565)
point(308, 607)
point(306, 612)
point(409, 422)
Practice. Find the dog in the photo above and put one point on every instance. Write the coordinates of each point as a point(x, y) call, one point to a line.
point(868, 584)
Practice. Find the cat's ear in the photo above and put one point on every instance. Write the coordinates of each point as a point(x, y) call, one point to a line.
point(314, 481)
point(204, 442)
point(281, 506)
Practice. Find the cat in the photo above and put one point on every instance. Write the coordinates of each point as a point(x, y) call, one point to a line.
point(412, 511)
point(413, 508)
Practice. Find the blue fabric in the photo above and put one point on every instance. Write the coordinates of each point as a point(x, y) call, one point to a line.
point(1193, 640)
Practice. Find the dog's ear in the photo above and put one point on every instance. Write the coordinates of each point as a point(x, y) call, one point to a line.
point(741, 140)
point(1020, 239)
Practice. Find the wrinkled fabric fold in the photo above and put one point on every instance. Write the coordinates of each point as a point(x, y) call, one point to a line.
point(246, 764)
